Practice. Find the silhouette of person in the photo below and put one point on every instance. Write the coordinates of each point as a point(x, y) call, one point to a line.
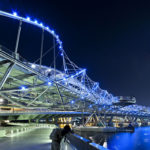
point(66, 130)
point(56, 137)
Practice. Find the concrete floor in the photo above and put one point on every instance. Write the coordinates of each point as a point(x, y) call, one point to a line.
point(37, 139)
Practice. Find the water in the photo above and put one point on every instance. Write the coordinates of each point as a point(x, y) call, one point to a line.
point(37, 139)
point(138, 140)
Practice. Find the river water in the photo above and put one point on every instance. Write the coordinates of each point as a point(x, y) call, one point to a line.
point(138, 140)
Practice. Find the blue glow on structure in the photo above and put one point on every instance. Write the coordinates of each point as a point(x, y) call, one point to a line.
point(49, 83)
point(47, 28)
point(98, 146)
point(23, 88)
point(41, 24)
point(82, 97)
point(96, 85)
point(72, 102)
point(15, 13)
point(33, 66)
point(82, 138)
point(35, 21)
point(59, 43)
point(78, 73)
point(28, 18)
point(52, 31)
point(90, 106)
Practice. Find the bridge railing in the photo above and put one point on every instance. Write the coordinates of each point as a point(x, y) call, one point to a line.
point(76, 142)
point(19, 128)
point(34, 111)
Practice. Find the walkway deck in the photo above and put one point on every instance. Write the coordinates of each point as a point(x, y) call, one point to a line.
point(37, 139)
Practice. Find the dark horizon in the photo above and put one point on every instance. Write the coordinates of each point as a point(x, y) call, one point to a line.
point(110, 39)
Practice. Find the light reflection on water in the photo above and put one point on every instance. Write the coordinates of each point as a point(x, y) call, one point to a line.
point(138, 140)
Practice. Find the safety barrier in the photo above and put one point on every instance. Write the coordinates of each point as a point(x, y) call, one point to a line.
point(21, 128)
point(76, 142)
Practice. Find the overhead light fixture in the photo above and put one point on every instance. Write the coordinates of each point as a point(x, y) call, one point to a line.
point(15, 13)
point(49, 83)
point(23, 88)
point(33, 66)
point(1, 100)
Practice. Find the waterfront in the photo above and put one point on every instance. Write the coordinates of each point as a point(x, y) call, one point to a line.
point(39, 139)
point(138, 140)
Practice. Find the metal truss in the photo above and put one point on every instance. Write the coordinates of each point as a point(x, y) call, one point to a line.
point(33, 85)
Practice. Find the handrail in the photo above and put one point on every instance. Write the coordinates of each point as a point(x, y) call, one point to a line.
point(78, 142)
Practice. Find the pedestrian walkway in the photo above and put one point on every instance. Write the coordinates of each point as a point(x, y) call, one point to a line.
point(37, 139)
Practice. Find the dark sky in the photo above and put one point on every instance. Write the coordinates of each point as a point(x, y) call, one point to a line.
point(109, 38)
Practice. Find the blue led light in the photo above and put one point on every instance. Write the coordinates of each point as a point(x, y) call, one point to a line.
point(33, 66)
point(61, 54)
point(23, 88)
point(52, 31)
point(35, 21)
point(78, 73)
point(72, 102)
point(57, 37)
point(41, 24)
point(82, 97)
point(64, 79)
point(28, 18)
point(47, 28)
point(15, 13)
point(90, 106)
point(49, 83)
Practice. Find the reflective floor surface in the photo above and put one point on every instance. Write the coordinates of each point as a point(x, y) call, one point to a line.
point(37, 139)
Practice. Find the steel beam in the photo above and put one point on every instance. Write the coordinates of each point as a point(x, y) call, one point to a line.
point(38, 96)
point(6, 75)
point(60, 96)
point(4, 62)
point(18, 37)
point(10, 100)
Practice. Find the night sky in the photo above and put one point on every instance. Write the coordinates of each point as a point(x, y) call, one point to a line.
point(110, 39)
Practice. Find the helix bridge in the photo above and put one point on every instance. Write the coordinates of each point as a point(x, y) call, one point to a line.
point(31, 85)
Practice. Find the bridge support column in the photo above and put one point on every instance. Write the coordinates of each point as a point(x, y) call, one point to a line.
point(29, 121)
point(130, 119)
point(110, 123)
point(37, 120)
point(47, 120)
point(144, 122)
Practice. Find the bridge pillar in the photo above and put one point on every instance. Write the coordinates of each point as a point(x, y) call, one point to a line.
point(47, 120)
point(110, 123)
point(130, 119)
point(29, 121)
point(37, 120)
point(144, 122)
point(135, 119)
